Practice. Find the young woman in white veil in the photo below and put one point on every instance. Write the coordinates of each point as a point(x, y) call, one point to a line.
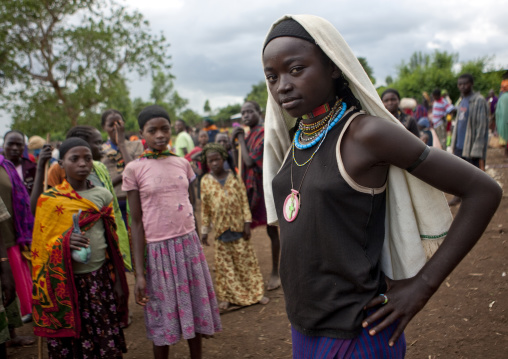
point(352, 191)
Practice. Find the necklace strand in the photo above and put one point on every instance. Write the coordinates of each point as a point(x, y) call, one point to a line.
point(321, 123)
point(321, 135)
point(321, 140)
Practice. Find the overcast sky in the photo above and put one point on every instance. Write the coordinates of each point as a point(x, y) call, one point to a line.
point(216, 45)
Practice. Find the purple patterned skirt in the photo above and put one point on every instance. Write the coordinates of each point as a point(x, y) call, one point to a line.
point(178, 284)
point(101, 335)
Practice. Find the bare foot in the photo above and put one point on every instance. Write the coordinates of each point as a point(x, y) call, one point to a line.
point(224, 305)
point(274, 282)
point(264, 300)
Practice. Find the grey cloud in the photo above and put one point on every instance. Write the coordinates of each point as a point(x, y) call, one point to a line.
point(216, 45)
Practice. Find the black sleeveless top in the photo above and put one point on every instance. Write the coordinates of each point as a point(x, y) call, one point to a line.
point(330, 254)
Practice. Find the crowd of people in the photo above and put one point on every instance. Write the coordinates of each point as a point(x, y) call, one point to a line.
point(131, 205)
point(353, 250)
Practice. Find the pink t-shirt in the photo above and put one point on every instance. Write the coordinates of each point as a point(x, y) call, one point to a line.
point(163, 186)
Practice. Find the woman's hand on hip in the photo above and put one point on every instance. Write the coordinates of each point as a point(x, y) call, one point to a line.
point(401, 302)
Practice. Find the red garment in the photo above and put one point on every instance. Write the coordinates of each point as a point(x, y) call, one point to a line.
point(253, 177)
point(189, 155)
point(409, 112)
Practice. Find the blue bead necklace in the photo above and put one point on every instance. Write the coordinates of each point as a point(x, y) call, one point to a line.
point(301, 146)
point(293, 202)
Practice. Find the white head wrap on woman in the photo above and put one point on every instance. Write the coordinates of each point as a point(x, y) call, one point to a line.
point(417, 215)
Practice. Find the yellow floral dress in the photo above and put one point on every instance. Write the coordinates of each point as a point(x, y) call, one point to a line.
point(238, 277)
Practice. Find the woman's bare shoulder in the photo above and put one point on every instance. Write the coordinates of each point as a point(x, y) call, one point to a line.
point(385, 140)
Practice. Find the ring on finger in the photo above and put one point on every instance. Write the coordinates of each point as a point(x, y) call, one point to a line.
point(385, 297)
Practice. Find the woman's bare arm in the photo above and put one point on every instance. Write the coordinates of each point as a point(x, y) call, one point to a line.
point(386, 143)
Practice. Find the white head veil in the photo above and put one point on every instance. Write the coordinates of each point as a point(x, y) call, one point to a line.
point(417, 216)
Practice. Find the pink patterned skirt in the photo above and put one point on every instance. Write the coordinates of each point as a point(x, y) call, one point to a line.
point(182, 300)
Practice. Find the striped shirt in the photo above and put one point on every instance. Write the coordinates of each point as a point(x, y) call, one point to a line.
point(440, 108)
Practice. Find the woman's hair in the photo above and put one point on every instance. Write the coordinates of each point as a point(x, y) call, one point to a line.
point(72, 142)
point(393, 91)
point(14, 131)
point(215, 147)
point(84, 132)
point(151, 112)
point(255, 104)
point(109, 112)
point(344, 92)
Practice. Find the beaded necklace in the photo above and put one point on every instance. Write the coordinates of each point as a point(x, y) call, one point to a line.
point(322, 134)
point(312, 135)
point(306, 128)
point(318, 111)
point(293, 203)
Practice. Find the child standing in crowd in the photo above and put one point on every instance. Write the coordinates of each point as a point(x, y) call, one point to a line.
point(117, 153)
point(224, 203)
point(177, 290)
point(194, 156)
point(99, 177)
point(78, 306)
point(222, 139)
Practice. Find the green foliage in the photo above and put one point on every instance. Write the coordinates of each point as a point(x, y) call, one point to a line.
point(259, 93)
point(426, 72)
point(164, 94)
point(224, 114)
point(207, 107)
point(367, 68)
point(191, 118)
point(485, 76)
point(64, 60)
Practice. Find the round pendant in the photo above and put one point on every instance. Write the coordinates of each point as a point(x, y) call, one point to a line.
point(291, 206)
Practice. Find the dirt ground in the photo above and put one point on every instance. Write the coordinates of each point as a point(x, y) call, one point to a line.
point(466, 318)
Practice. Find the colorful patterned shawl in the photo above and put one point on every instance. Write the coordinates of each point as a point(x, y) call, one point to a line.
point(22, 216)
point(151, 154)
point(55, 304)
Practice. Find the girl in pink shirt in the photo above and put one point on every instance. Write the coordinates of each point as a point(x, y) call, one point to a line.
point(177, 290)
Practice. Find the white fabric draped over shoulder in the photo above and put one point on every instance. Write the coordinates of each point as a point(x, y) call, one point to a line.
point(417, 216)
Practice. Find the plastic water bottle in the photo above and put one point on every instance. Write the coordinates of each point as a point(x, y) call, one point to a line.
point(81, 255)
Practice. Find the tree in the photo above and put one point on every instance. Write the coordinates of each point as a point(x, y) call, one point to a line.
point(191, 118)
point(64, 60)
point(224, 114)
point(425, 72)
point(207, 108)
point(163, 93)
point(259, 94)
point(367, 68)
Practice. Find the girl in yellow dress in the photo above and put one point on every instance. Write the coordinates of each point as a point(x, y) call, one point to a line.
point(224, 203)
